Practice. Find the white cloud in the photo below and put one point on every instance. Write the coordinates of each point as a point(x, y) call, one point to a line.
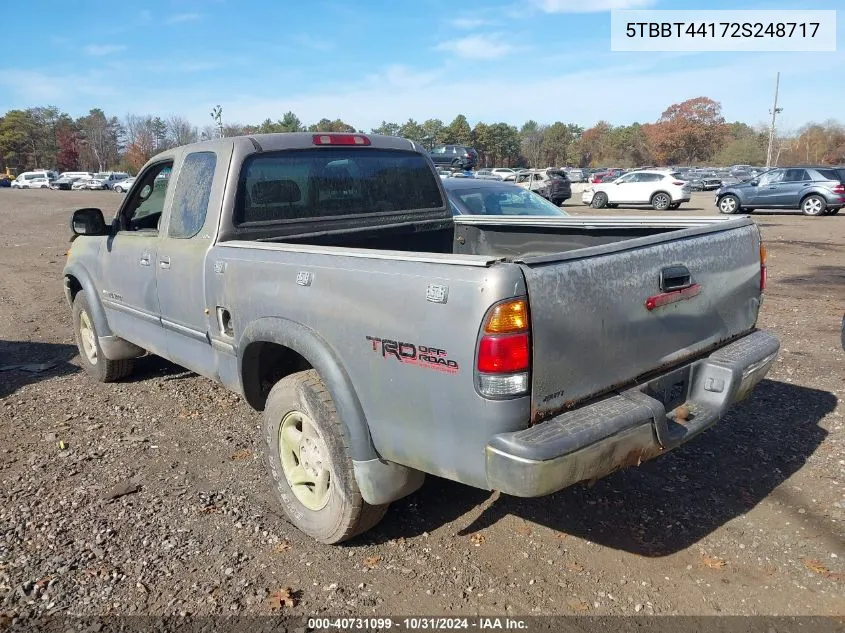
point(100, 50)
point(179, 18)
point(589, 6)
point(477, 47)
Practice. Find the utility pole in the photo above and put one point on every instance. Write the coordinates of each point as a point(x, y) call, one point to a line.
point(217, 115)
point(774, 112)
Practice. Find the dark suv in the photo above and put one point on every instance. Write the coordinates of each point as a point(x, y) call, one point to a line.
point(813, 190)
point(454, 156)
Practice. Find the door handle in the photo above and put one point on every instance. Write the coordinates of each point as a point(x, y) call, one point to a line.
point(164, 262)
point(145, 259)
point(675, 278)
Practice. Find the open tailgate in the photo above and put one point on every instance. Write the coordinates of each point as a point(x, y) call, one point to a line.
point(592, 330)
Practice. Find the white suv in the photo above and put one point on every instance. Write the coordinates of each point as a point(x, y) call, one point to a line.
point(661, 189)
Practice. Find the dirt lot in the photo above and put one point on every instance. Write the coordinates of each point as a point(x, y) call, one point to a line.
point(747, 519)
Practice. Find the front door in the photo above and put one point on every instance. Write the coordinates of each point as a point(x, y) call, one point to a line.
point(767, 191)
point(128, 260)
point(193, 322)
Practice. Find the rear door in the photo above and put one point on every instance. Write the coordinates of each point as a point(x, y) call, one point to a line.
point(192, 324)
point(592, 329)
point(793, 187)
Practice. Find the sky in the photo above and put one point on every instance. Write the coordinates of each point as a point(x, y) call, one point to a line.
point(372, 60)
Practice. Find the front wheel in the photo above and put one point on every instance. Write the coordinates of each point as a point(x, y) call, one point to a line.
point(813, 205)
point(307, 453)
point(91, 354)
point(660, 201)
point(118, 190)
point(729, 204)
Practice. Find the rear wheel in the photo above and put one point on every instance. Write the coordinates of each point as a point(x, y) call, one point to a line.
point(729, 204)
point(599, 200)
point(661, 201)
point(307, 453)
point(91, 354)
point(813, 205)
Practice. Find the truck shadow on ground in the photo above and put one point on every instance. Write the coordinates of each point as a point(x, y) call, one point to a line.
point(27, 362)
point(663, 506)
point(819, 276)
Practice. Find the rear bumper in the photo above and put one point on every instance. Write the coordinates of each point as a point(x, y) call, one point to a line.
point(631, 426)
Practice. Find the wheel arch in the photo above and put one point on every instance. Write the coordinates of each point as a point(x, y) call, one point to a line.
point(272, 347)
point(77, 279)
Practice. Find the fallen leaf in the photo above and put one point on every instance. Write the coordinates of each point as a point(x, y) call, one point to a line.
point(282, 547)
point(282, 598)
point(5, 621)
point(560, 535)
point(242, 454)
point(579, 605)
point(210, 509)
point(575, 566)
point(712, 563)
point(371, 561)
point(817, 567)
point(44, 581)
point(477, 539)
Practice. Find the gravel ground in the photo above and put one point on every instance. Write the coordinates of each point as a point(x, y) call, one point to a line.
point(149, 496)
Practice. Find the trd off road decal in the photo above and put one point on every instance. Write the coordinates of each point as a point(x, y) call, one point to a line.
point(412, 354)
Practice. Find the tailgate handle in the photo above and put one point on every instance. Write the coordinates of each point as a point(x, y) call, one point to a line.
point(675, 278)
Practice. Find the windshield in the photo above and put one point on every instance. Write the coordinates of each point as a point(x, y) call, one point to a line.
point(505, 200)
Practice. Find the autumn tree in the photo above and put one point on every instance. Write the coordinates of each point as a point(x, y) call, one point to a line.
point(181, 132)
point(689, 131)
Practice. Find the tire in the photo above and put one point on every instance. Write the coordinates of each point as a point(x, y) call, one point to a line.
point(661, 201)
point(813, 205)
point(118, 189)
point(599, 200)
point(729, 204)
point(305, 440)
point(91, 354)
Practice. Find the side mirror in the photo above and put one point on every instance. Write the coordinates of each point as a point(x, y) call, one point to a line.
point(755, 182)
point(88, 222)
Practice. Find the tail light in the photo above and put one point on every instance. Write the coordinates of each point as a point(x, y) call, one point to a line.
point(762, 267)
point(503, 359)
point(840, 189)
point(678, 183)
point(340, 139)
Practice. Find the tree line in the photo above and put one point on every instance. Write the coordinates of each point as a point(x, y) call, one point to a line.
point(687, 133)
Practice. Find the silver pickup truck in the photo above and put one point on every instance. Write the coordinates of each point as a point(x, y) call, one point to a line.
point(323, 278)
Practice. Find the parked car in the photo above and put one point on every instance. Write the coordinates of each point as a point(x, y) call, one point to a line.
point(124, 185)
point(455, 156)
point(814, 190)
point(84, 183)
point(486, 197)
point(34, 179)
point(5, 181)
point(33, 182)
point(65, 181)
point(660, 189)
point(107, 179)
point(576, 175)
point(250, 266)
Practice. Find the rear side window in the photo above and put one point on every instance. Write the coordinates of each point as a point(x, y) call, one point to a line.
point(323, 183)
point(193, 190)
point(831, 174)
